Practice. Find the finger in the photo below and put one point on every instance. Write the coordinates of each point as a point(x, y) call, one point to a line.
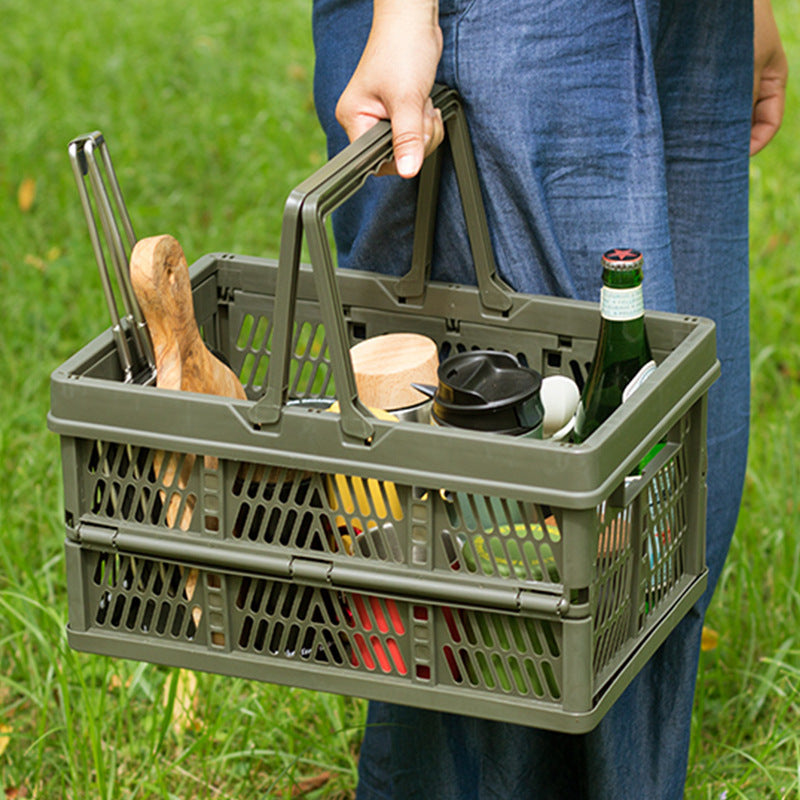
point(408, 137)
point(360, 124)
point(765, 126)
point(410, 149)
point(357, 115)
point(356, 123)
point(767, 116)
point(434, 127)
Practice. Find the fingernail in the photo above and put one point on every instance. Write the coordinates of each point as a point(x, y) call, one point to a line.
point(407, 166)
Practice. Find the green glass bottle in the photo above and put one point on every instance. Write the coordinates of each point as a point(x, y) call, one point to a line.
point(622, 358)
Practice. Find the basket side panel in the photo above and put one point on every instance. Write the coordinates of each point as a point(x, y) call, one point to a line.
point(142, 606)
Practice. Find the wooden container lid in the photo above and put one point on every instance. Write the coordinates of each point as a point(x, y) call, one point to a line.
point(386, 366)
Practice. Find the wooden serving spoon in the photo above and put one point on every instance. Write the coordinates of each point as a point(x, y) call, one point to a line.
point(160, 279)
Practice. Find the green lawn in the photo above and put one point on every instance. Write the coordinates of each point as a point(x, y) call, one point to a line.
point(208, 112)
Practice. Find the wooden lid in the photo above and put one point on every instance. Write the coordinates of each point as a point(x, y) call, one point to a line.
point(386, 366)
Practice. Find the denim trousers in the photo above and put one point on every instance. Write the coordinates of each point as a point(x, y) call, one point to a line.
point(595, 124)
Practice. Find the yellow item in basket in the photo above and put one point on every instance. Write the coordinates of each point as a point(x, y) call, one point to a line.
point(498, 552)
point(367, 497)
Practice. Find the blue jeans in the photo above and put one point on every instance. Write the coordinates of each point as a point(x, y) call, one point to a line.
point(595, 123)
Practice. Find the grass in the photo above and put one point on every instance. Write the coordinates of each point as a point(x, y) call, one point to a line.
point(208, 112)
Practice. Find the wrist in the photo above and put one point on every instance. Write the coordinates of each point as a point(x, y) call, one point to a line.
point(406, 13)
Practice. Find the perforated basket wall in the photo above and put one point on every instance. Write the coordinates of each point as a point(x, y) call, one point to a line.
point(291, 623)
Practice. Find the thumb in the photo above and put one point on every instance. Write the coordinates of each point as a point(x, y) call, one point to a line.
point(408, 138)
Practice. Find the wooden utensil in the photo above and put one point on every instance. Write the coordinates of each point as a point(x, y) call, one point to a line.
point(160, 278)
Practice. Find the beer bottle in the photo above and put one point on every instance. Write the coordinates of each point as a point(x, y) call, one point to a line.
point(622, 358)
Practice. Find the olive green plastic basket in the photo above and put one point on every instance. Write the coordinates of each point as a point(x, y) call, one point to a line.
point(388, 560)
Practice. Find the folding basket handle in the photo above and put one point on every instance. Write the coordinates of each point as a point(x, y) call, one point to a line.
point(305, 211)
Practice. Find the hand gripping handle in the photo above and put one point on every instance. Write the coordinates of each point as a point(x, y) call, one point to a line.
point(305, 212)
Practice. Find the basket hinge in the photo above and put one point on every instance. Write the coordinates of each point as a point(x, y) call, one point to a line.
point(182, 550)
point(539, 603)
point(311, 570)
point(98, 535)
point(423, 589)
point(433, 589)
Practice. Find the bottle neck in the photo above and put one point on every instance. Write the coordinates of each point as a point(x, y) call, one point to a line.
point(621, 304)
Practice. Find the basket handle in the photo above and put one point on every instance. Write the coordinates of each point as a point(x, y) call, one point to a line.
point(305, 211)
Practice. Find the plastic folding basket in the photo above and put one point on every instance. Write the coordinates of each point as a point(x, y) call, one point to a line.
point(500, 577)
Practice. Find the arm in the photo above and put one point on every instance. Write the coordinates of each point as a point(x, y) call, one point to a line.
point(770, 71)
point(394, 78)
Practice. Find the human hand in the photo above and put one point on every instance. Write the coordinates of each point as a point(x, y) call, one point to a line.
point(393, 80)
point(770, 72)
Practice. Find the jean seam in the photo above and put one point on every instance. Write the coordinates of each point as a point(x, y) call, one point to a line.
point(462, 13)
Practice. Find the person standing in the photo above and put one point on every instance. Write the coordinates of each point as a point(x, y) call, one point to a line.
point(594, 123)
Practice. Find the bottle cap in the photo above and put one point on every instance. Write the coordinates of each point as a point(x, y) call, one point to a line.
point(488, 390)
point(622, 259)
